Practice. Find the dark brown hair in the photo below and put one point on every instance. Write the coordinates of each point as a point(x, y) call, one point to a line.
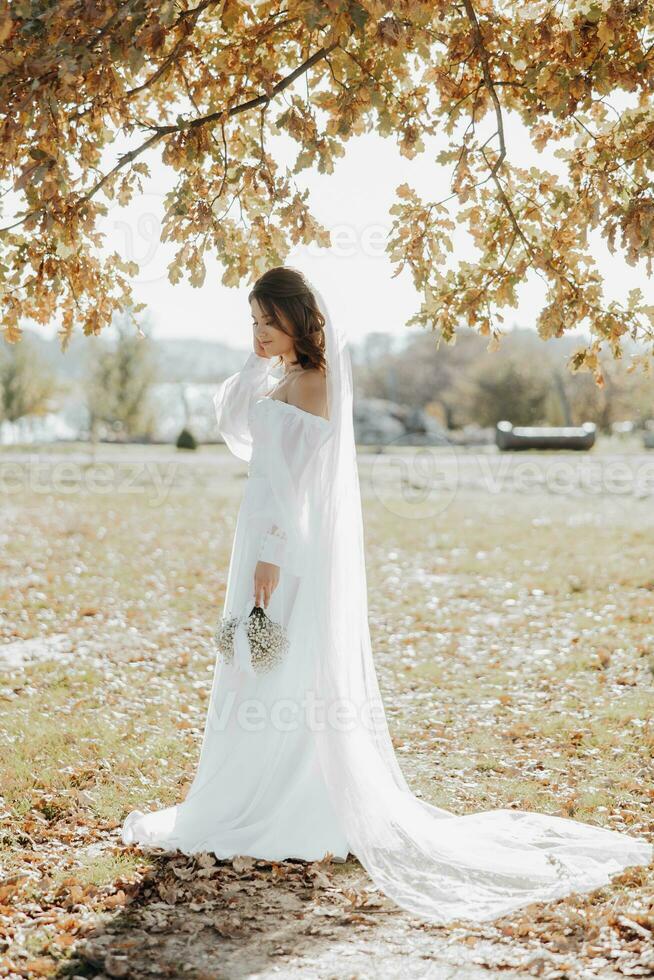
point(285, 290)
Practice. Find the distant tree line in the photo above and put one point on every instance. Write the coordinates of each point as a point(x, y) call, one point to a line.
point(525, 381)
point(118, 378)
point(118, 382)
point(27, 386)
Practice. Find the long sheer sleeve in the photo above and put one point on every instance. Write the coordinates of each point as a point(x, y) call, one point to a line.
point(291, 458)
point(233, 402)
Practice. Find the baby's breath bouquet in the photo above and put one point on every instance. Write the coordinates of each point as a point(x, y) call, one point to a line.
point(267, 640)
point(224, 637)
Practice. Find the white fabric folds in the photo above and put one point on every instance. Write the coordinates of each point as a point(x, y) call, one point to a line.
point(430, 861)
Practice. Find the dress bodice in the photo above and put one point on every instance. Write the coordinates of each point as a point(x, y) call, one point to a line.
point(267, 412)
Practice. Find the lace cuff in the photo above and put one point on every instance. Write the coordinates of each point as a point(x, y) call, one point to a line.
point(273, 546)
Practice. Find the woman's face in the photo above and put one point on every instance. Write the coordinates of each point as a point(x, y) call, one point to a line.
point(273, 340)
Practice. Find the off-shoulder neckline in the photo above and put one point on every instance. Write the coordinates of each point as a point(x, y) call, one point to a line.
point(294, 408)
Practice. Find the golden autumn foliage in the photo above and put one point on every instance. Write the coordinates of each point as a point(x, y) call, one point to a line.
point(88, 87)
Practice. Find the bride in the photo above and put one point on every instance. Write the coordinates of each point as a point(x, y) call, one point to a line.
point(297, 760)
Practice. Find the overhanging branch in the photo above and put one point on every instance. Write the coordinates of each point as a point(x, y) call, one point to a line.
point(482, 51)
point(161, 132)
point(220, 115)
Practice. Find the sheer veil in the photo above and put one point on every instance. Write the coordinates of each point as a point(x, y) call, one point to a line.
point(436, 864)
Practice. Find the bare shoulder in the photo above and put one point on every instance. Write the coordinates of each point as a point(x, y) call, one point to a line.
point(309, 392)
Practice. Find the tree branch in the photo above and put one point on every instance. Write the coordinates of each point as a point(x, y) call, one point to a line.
point(192, 15)
point(160, 132)
point(482, 51)
point(189, 124)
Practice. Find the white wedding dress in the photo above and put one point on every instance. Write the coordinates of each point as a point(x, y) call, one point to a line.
point(259, 789)
point(298, 762)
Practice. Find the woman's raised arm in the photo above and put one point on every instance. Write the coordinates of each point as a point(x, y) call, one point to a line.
point(233, 400)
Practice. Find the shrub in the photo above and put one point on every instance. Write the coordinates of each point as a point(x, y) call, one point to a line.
point(186, 440)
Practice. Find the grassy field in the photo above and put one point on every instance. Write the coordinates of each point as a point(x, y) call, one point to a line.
point(512, 620)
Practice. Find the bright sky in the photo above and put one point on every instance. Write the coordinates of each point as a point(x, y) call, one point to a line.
point(354, 275)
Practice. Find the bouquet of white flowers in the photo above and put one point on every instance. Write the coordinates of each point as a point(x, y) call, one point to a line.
point(266, 640)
